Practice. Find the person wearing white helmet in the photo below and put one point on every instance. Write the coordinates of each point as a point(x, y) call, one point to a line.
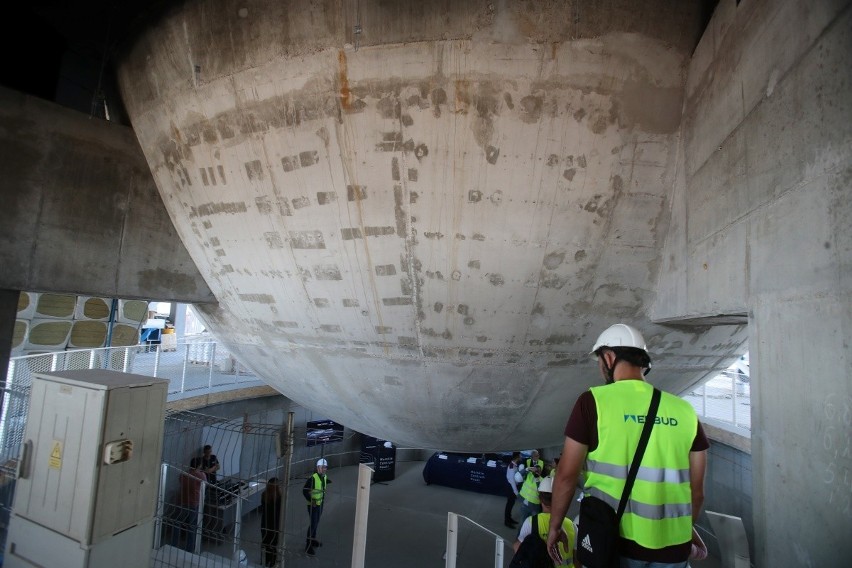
point(602, 433)
point(314, 492)
point(542, 521)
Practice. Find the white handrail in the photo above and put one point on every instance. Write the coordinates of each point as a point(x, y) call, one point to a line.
point(452, 541)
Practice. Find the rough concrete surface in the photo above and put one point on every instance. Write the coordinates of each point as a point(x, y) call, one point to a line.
point(424, 235)
point(80, 213)
point(417, 216)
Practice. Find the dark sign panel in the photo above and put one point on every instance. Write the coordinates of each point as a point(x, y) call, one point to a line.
point(324, 432)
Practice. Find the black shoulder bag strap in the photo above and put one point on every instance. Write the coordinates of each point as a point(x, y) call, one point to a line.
point(640, 451)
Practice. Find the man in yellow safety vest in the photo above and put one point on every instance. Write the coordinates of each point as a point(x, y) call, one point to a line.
point(603, 432)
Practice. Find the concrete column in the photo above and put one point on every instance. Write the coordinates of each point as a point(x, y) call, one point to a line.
point(8, 311)
point(178, 315)
point(765, 223)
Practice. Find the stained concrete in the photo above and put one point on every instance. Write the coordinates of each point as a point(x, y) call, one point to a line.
point(80, 212)
point(422, 229)
point(545, 169)
point(761, 227)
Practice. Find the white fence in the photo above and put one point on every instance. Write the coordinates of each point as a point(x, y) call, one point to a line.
point(190, 366)
point(725, 398)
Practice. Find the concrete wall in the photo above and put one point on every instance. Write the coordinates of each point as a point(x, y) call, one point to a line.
point(81, 213)
point(762, 225)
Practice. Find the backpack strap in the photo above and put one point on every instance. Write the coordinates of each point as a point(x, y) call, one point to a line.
point(640, 451)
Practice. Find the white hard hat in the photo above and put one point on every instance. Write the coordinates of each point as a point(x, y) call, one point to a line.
point(620, 335)
point(546, 485)
point(322, 462)
point(519, 477)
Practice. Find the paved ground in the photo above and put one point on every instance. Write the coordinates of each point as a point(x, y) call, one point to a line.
point(407, 525)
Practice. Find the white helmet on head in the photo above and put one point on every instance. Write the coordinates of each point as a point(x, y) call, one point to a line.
point(620, 335)
point(322, 463)
point(546, 485)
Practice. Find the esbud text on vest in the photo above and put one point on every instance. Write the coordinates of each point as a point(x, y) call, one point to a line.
point(640, 419)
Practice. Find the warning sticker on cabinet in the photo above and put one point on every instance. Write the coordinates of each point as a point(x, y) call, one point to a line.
point(55, 461)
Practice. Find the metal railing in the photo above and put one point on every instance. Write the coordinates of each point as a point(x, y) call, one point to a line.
point(726, 398)
point(451, 556)
point(189, 366)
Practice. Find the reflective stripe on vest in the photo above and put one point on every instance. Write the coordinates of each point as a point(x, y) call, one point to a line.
point(529, 490)
point(652, 474)
point(659, 511)
point(655, 512)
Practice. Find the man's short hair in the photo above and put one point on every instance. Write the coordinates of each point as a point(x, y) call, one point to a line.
point(633, 355)
point(195, 462)
point(208, 447)
point(545, 498)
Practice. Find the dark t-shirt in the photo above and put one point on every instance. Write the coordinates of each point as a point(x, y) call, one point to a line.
point(207, 462)
point(582, 427)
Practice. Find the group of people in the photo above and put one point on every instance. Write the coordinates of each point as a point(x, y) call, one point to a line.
point(270, 513)
point(601, 436)
point(203, 470)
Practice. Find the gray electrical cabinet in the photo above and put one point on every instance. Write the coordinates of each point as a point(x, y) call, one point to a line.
point(88, 476)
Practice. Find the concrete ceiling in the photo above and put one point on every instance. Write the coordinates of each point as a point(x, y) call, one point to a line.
point(417, 217)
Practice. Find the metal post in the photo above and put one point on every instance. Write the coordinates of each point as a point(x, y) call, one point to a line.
point(92, 359)
point(452, 535)
point(53, 361)
point(112, 309)
point(156, 359)
point(126, 359)
point(362, 507)
point(10, 374)
point(288, 451)
point(161, 500)
point(498, 552)
point(734, 398)
point(238, 524)
point(200, 518)
point(183, 373)
point(212, 362)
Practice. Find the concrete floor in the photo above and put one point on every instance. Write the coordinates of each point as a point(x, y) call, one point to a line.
point(407, 525)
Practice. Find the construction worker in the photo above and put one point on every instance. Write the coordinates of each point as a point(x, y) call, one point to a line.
point(603, 432)
point(534, 460)
point(530, 503)
point(314, 491)
point(566, 552)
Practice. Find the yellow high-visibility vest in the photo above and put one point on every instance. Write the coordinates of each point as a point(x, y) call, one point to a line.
point(659, 511)
point(318, 483)
point(543, 528)
point(529, 490)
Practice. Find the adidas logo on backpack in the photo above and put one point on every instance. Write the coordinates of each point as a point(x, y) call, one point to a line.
point(587, 544)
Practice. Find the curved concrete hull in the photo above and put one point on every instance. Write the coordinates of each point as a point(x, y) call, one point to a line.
point(421, 237)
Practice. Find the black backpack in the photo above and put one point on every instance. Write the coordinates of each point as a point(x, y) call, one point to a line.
point(533, 550)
